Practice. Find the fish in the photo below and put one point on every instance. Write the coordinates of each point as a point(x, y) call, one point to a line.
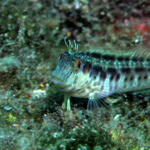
point(98, 74)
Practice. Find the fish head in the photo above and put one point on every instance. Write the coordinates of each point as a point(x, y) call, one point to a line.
point(65, 71)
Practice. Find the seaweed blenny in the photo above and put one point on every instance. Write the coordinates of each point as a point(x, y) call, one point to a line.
point(96, 75)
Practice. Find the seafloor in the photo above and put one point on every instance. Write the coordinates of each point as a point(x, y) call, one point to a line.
point(32, 34)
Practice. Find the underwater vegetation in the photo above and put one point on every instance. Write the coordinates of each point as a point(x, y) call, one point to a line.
point(32, 37)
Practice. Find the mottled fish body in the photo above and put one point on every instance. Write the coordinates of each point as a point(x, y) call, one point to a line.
point(96, 75)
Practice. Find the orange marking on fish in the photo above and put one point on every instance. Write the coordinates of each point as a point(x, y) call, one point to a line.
point(77, 63)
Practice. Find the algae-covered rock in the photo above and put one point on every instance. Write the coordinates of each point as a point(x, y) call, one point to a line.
point(32, 37)
point(9, 62)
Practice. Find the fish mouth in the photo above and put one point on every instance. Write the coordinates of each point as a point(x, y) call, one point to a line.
point(56, 81)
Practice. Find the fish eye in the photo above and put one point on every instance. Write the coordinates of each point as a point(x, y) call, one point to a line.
point(61, 56)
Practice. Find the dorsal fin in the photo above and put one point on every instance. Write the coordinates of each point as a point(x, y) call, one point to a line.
point(136, 52)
